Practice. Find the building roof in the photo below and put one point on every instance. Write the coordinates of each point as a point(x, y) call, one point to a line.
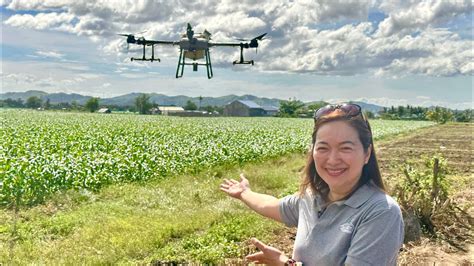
point(250, 104)
point(170, 108)
point(103, 110)
point(270, 108)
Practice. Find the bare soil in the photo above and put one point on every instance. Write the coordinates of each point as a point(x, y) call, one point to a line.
point(455, 142)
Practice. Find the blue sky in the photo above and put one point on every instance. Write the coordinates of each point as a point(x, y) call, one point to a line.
point(382, 52)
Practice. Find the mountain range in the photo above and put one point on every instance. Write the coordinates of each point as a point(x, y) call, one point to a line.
point(160, 99)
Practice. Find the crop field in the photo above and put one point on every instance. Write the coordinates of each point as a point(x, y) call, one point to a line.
point(131, 189)
point(45, 152)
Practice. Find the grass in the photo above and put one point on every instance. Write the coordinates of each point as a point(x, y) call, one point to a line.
point(183, 218)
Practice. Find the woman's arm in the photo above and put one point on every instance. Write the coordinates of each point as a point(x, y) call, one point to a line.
point(263, 204)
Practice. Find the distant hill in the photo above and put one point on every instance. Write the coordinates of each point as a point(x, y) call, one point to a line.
point(64, 97)
point(365, 106)
point(160, 99)
point(180, 100)
point(129, 99)
point(54, 98)
point(370, 107)
point(22, 95)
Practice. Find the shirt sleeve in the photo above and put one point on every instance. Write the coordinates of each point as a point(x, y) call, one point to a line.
point(378, 237)
point(289, 210)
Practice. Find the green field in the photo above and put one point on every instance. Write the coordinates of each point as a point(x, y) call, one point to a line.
point(130, 189)
point(44, 152)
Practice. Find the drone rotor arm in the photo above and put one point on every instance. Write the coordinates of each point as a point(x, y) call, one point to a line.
point(233, 44)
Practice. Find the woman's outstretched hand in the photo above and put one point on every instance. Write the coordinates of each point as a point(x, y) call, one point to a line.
point(235, 188)
point(267, 255)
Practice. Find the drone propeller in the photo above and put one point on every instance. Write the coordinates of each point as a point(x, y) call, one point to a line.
point(130, 39)
point(254, 42)
point(259, 38)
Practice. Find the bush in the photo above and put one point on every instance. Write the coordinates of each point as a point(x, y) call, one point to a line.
point(424, 194)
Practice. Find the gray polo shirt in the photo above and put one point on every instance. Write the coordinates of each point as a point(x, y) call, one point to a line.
point(365, 229)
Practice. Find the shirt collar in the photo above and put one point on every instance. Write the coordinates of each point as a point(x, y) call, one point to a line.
point(360, 196)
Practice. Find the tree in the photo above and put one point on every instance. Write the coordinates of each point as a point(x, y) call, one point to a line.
point(47, 104)
point(142, 103)
point(190, 106)
point(369, 114)
point(290, 108)
point(464, 116)
point(440, 115)
point(200, 101)
point(313, 107)
point(92, 104)
point(14, 103)
point(74, 105)
point(33, 102)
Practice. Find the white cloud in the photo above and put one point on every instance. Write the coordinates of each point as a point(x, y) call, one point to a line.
point(50, 54)
point(411, 40)
point(41, 21)
point(19, 78)
point(36, 4)
point(440, 53)
point(406, 17)
point(423, 97)
point(89, 75)
point(4, 2)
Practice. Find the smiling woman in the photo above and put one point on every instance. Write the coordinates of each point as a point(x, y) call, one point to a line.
point(342, 212)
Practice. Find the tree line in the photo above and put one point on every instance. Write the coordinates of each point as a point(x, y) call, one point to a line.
point(288, 108)
point(142, 105)
point(296, 108)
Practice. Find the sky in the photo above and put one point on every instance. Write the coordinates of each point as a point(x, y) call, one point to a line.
point(391, 52)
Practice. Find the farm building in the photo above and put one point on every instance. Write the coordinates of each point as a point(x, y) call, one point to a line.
point(104, 111)
point(167, 110)
point(270, 110)
point(248, 108)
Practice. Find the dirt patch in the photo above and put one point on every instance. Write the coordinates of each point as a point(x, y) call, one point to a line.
point(455, 142)
point(426, 252)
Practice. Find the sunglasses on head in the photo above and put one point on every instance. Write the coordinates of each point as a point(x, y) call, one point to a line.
point(349, 109)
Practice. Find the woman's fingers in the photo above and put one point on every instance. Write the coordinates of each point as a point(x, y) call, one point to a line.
point(258, 244)
point(255, 256)
point(230, 181)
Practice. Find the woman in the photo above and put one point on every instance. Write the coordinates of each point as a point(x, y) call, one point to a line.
point(342, 213)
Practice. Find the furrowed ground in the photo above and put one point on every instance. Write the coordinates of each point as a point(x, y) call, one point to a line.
point(180, 218)
point(455, 142)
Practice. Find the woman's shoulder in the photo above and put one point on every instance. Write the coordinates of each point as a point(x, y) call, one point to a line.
point(380, 201)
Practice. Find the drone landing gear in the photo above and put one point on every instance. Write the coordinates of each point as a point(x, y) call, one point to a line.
point(182, 63)
point(147, 59)
point(242, 61)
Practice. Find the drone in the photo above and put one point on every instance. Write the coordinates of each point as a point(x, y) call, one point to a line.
point(193, 46)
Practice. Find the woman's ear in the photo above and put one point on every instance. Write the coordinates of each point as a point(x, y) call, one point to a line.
point(367, 155)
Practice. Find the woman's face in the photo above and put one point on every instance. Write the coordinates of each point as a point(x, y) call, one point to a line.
point(339, 157)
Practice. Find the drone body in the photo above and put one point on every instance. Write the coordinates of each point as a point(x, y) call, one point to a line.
point(194, 47)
